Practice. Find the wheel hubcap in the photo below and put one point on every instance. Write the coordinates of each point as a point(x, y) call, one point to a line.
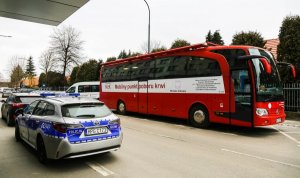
point(199, 116)
point(122, 107)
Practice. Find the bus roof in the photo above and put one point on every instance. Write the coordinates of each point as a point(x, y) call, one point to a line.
point(201, 46)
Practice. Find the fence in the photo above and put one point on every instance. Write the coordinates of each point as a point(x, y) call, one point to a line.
point(292, 96)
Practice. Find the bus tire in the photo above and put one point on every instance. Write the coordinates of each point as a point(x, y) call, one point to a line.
point(121, 108)
point(199, 117)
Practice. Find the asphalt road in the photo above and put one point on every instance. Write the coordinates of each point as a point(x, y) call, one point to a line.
point(162, 147)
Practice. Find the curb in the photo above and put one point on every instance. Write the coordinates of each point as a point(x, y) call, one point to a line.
point(292, 116)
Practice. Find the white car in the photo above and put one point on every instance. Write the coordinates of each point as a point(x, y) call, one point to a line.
point(68, 127)
point(86, 89)
point(6, 92)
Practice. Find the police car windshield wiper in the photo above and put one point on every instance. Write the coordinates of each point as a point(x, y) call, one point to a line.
point(86, 115)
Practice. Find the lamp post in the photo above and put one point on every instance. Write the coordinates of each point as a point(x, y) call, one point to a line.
point(5, 36)
point(148, 27)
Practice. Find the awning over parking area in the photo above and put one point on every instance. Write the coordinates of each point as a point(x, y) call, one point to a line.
point(50, 12)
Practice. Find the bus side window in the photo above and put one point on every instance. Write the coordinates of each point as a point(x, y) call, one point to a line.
point(123, 72)
point(178, 66)
point(106, 76)
point(202, 67)
point(231, 56)
point(161, 68)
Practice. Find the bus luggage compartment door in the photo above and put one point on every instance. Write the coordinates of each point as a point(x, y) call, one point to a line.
point(143, 97)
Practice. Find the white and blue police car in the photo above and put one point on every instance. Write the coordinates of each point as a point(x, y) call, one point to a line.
point(68, 127)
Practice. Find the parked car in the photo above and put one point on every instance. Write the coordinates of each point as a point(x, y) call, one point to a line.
point(25, 90)
point(2, 88)
point(86, 89)
point(6, 92)
point(68, 127)
point(12, 105)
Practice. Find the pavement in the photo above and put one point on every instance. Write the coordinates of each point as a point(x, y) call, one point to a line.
point(292, 116)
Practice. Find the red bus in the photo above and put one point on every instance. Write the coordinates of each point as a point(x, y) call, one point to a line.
point(237, 85)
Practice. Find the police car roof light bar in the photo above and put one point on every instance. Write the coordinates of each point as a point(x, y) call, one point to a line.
point(60, 94)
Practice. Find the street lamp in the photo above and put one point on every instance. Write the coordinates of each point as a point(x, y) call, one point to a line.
point(5, 36)
point(148, 27)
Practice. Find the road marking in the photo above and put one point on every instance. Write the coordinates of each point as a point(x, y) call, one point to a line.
point(288, 136)
point(292, 132)
point(261, 158)
point(99, 168)
point(232, 134)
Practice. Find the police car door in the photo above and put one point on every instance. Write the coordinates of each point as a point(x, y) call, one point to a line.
point(34, 120)
point(23, 120)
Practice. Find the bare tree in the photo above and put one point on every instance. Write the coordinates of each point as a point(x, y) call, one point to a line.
point(14, 62)
point(153, 46)
point(47, 62)
point(16, 70)
point(67, 46)
point(1, 77)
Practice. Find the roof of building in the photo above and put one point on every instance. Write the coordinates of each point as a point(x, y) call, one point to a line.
point(271, 45)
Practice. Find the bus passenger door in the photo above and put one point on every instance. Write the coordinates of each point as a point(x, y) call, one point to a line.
point(143, 97)
point(243, 98)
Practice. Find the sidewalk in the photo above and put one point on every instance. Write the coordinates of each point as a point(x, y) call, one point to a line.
point(292, 116)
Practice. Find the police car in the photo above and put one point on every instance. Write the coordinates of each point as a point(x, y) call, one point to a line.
point(68, 127)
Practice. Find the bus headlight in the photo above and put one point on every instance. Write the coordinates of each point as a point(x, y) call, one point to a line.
point(261, 112)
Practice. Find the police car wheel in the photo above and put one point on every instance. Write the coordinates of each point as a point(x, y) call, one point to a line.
point(41, 151)
point(17, 132)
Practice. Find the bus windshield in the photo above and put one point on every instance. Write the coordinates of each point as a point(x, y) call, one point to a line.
point(268, 86)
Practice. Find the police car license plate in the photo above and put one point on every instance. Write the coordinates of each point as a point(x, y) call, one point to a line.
point(96, 131)
point(278, 120)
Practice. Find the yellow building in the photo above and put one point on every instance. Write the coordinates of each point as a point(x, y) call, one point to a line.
point(33, 82)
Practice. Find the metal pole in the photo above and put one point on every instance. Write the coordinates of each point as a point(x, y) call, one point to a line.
point(5, 36)
point(148, 27)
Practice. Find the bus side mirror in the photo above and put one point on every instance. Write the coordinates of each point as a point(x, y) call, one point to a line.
point(293, 71)
point(266, 65)
point(288, 67)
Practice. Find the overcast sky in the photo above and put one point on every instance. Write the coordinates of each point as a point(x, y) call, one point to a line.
point(109, 26)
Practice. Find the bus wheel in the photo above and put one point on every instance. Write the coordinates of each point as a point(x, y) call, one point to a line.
point(121, 108)
point(199, 117)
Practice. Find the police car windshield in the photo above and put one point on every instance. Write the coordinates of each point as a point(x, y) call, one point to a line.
point(85, 110)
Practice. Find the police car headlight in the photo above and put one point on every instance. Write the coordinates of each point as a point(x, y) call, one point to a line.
point(115, 122)
point(261, 112)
